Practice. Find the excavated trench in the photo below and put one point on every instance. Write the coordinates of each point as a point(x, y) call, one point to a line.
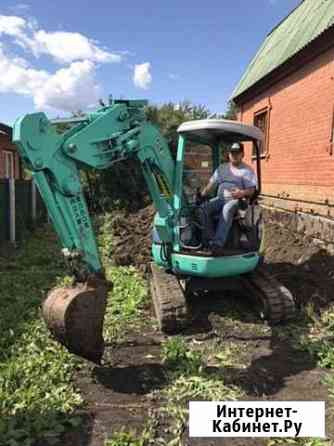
point(120, 394)
point(300, 264)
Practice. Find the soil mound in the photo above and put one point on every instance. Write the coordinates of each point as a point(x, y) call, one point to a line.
point(132, 238)
point(306, 269)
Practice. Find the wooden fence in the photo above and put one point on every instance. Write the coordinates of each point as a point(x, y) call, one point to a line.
point(21, 208)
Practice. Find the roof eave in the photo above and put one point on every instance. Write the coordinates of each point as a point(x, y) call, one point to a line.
point(316, 47)
point(6, 129)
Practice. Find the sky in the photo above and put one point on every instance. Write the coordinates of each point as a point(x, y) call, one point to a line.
point(62, 56)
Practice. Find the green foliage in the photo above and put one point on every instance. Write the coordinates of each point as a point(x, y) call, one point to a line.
point(319, 339)
point(231, 112)
point(177, 355)
point(125, 302)
point(104, 228)
point(206, 387)
point(169, 116)
point(298, 442)
point(123, 438)
point(37, 396)
point(129, 294)
point(189, 380)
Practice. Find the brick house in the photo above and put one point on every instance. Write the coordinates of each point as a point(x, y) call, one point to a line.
point(10, 163)
point(288, 91)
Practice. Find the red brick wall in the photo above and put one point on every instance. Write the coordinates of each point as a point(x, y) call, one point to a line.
point(6, 145)
point(299, 168)
point(199, 160)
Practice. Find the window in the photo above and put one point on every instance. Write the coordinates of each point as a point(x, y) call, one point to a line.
point(261, 120)
point(9, 164)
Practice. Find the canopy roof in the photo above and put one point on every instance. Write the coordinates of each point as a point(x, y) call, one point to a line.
point(213, 131)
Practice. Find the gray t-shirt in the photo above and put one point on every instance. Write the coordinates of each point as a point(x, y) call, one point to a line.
point(229, 177)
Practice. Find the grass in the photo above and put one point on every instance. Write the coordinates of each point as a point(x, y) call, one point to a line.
point(315, 334)
point(37, 397)
point(129, 296)
point(189, 380)
point(126, 303)
point(298, 442)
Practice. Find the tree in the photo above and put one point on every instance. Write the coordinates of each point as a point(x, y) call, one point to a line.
point(232, 111)
point(168, 117)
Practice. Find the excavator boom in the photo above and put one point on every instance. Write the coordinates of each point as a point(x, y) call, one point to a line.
point(97, 141)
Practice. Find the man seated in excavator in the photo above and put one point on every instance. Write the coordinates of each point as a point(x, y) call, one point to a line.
point(236, 181)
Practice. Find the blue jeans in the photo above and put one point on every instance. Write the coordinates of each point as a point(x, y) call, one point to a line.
point(226, 210)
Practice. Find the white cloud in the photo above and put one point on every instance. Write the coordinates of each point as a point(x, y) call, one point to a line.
point(16, 75)
point(68, 89)
point(67, 47)
point(142, 77)
point(12, 25)
point(64, 47)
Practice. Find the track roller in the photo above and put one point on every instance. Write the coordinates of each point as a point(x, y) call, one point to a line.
point(169, 301)
point(274, 300)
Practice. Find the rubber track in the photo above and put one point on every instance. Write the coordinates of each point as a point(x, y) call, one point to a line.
point(277, 301)
point(169, 301)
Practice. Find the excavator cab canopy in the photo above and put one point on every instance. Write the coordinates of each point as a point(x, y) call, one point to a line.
point(213, 131)
point(216, 134)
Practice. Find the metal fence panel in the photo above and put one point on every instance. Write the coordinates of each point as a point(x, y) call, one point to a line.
point(24, 215)
point(4, 210)
point(23, 204)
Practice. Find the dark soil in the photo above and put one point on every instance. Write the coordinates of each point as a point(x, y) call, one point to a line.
point(132, 238)
point(119, 394)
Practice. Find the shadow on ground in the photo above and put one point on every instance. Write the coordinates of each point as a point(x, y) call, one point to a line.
point(137, 379)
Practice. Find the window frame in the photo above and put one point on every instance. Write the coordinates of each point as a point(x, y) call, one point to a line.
point(264, 110)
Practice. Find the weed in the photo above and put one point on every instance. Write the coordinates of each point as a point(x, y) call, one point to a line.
point(37, 397)
point(298, 442)
point(127, 439)
point(189, 380)
point(129, 294)
point(148, 437)
point(125, 302)
point(178, 356)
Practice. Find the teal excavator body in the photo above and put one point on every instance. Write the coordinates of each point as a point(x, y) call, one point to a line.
point(100, 140)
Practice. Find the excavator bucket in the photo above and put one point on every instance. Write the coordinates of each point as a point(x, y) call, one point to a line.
point(75, 317)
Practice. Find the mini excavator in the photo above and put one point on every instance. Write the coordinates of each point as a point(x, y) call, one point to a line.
point(182, 265)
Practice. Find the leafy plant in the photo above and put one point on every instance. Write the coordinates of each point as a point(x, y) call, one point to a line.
point(176, 354)
point(37, 396)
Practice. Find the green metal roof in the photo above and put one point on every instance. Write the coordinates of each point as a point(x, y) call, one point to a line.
point(306, 22)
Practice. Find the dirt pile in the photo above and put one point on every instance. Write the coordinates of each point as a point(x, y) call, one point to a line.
point(306, 269)
point(132, 238)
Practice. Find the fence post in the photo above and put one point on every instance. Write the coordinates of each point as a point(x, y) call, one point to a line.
point(33, 202)
point(12, 229)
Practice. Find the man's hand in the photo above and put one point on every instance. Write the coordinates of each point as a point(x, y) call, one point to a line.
point(237, 193)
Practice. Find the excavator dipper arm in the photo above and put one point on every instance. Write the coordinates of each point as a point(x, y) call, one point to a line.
point(104, 138)
point(99, 140)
